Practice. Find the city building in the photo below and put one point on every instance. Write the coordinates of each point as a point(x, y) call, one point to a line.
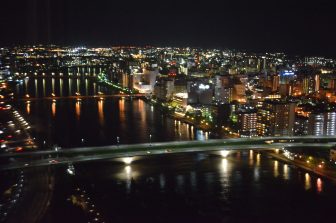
point(276, 118)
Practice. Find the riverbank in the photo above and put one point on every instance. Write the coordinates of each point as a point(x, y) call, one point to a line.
point(179, 116)
point(326, 173)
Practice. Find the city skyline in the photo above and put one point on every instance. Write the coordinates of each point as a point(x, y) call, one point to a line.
point(174, 111)
point(296, 28)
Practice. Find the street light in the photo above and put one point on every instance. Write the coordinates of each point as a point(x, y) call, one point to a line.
point(118, 141)
point(150, 139)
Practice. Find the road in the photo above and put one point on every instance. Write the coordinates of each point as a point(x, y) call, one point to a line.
point(85, 154)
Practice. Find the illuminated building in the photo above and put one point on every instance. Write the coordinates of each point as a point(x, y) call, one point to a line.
point(247, 122)
point(275, 82)
point(239, 93)
point(317, 83)
point(200, 92)
point(311, 84)
point(322, 123)
point(316, 124)
point(223, 95)
point(330, 123)
point(286, 76)
point(164, 89)
point(180, 100)
point(301, 125)
point(144, 82)
point(276, 118)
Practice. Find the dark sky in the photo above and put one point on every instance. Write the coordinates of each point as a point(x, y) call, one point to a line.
point(295, 27)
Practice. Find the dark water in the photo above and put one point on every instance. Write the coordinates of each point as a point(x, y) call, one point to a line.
point(245, 187)
point(69, 122)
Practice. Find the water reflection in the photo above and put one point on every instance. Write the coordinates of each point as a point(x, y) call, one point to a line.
point(36, 88)
point(53, 85)
point(225, 174)
point(162, 181)
point(285, 172)
point(28, 107)
point(141, 108)
point(70, 86)
point(101, 112)
point(319, 185)
point(307, 181)
point(53, 108)
point(276, 168)
point(44, 87)
point(258, 160)
point(78, 109)
point(225, 165)
point(128, 171)
point(26, 85)
point(86, 87)
point(251, 161)
point(61, 87)
point(122, 114)
point(180, 183)
point(78, 85)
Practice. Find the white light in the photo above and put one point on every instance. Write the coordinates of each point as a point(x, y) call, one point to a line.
point(128, 160)
point(224, 153)
point(202, 86)
point(70, 172)
point(128, 170)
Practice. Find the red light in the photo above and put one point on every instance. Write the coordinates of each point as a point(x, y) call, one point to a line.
point(18, 149)
point(9, 136)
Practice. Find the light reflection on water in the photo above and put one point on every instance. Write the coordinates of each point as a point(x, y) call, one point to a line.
point(101, 112)
point(203, 188)
point(53, 108)
point(28, 107)
point(307, 181)
point(78, 109)
point(285, 172)
point(319, 185)
point(276, 168)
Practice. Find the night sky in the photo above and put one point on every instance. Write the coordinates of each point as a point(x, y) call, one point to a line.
point(294, 27)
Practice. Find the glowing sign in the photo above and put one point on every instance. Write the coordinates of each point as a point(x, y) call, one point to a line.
point(203, 87)
point(287, 73)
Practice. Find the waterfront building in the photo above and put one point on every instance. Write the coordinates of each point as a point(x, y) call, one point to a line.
point(276, 118)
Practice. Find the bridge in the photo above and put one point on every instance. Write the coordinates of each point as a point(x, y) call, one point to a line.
point(79, 97)
point(85, 154)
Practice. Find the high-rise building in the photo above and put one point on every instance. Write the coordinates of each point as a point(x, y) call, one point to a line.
point(247, 122)
point(200, 92)
point(330, 123)
point(275, 82)
point(317, 83)
point(322, 123)
point(144, 82)
point(301, 125)
point(276, 118)
point(311, 84)
point(316, 124)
